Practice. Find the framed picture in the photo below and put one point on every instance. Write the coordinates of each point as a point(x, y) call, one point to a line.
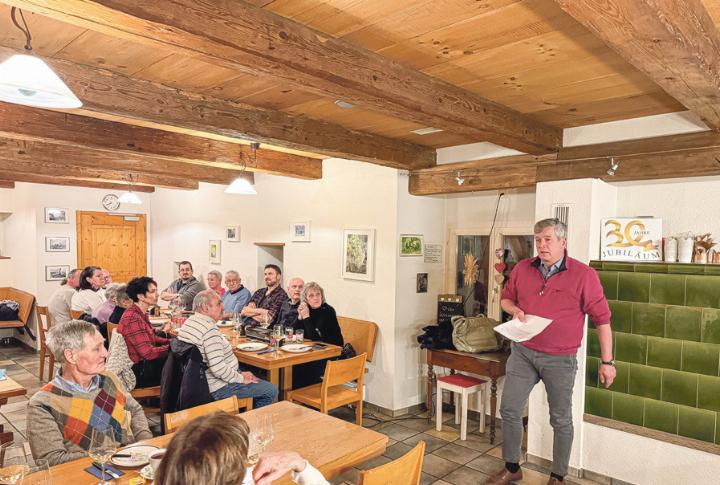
point(57, 244)
point(56, 273)
point(358, 261)
point(411, 244)
point(300, 231)
point(421, 283)
point(214, 251)
point(55, 215)
point(232, 233)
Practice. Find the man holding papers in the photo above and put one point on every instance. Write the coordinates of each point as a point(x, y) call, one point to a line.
point(561, 289)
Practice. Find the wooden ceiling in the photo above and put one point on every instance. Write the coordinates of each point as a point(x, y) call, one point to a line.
point(514, 72)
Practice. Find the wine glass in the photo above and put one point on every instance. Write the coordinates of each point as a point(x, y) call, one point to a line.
point(261, 435)
point(14, 464)
point(38, 474)
point(102, 447)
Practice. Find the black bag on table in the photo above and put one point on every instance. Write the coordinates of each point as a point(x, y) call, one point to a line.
point(437, 337)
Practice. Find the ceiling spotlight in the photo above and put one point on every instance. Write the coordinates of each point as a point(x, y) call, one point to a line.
point(613, 167)
point(343, 104)
point(459, 179)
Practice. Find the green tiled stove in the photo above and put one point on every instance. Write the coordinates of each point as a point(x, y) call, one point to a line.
point(666, 328)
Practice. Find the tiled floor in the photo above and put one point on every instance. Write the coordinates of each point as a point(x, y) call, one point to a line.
point(448, 460)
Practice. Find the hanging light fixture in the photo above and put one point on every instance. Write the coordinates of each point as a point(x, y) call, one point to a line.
point(129, 197)
point(27, 79)
point(241, 185)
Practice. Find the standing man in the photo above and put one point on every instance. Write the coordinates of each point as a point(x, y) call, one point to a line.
point(288, 315)
point(555, 286)
point(265, 302)
point(183, 289)
point(61, 300)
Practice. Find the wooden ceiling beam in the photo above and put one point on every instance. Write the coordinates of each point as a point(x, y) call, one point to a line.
point(22, 122)
point(105, 92)
point(675, 43)
point(51, 180)
point(240, 36)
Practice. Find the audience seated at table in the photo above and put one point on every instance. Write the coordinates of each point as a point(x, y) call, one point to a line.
point(102, 313)
point(61, 300)
point(236, 296)
point(81, 396)
point(213, 450)
point(90, 294)
point(224, 378)
point(183, 289)
point(146, 348)
point(319, 321)
point(214, 282)
point(123, 303)
point(288, 315)
point(266, 302)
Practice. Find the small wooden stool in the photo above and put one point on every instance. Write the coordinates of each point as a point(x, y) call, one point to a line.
point(462, 386)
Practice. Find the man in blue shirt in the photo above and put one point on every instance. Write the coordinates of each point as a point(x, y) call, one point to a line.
point(236, 296)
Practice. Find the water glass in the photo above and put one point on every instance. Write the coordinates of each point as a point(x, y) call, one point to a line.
point(261, 435)
point(278, 331)
point(289, 334)
point(102, 447)
point(38, 474)
point(299, 335)
point(14, 465)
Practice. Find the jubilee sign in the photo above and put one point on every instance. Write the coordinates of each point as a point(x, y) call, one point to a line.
point(628, 239)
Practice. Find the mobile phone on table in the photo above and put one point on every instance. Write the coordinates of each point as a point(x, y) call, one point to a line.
point(319, 346)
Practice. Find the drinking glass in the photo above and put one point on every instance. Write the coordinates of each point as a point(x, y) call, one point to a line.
point(14, 464)
point(38, 474)
point(102, 447)
point(261, 435)
point(289, 334)
point(299, 335)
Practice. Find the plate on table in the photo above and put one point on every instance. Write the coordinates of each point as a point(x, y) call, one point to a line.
point(140, 456)
point(296, 348)
point(252, 346)
point(158, 321)
point(224, 324)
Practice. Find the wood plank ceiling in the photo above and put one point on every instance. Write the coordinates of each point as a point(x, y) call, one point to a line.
point(527, 56)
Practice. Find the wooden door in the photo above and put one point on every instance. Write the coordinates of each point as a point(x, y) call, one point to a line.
point(114, 242)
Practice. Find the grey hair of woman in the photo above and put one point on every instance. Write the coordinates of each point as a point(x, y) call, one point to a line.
point(217, 274)
point(68, 335)
point(203, 298)
point(557, 224)
point(113, 290)
point(312, 286)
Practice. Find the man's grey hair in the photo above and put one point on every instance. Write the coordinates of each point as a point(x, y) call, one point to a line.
point(310, 287)
point(560, 227)
point(203, 298)
point(233, 272)
point(217, 274)
point(112, 290)
point(68, 335)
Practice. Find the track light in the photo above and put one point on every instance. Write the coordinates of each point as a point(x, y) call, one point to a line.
point(613, 167)
point(459, 179)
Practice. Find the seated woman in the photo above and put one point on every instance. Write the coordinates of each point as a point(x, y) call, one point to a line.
point(59, 419)
point(213, 450)
point(320, 323)
point(123, 303)
point(89, 295)
point(214, 281)
point(146, 348)
point(102, 313)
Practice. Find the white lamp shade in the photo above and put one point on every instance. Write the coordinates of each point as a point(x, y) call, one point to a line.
point(29, 80)
point(129, 198)
point(241, 186)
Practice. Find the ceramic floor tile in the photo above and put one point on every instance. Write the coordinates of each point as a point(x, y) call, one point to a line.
point(426, 479)
point(374, 462)
point(441, 482)
point(496, 452)
point(447, 433)
point(431, 443)
point(456, 453)
point(477, 442)
point(396, 432)
point(418, 424)
point(397, 450)
point(13, 407)
point(466, 476)
point(486, 464)
point(438, 467)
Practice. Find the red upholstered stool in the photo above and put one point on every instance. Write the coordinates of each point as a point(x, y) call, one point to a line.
point(462, 386)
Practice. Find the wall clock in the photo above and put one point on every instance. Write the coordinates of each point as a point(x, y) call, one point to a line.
point(110, 202)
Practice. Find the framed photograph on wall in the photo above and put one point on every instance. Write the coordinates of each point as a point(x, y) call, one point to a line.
point(411, 244)
point(57, 244)
point(358, 259)
point(214, 251)
point(421, 283)
point(54, 215)
point(232, 233)
point(300, 231)
point(56, 273)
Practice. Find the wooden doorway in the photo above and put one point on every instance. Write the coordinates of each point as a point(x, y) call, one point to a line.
point(117, 243)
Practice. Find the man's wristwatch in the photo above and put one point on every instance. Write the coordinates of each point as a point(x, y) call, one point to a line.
point(609, 362)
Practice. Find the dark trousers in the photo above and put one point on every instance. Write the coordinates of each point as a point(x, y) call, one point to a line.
point(148, 372)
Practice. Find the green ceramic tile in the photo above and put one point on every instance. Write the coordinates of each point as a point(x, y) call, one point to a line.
point(645, 381)
point(591, 371)
point(717, 428)
point(662, 416)
point(631, 348)
point(712, 269)
point(595, 264)
point(622, 375)
point(668, 289)
point(698, 424)
point(683, 322)
point(609, 281)
point(711, 325)
point(593, 344)
point(682, 268)
point(701, 358)
point(679, 387)
point(666, 353)
point(634, 287)
point(598, 402)
point(709, 393)
point(650, 267)
point(648, 319)
point(615, 266)
point(627, 408)
point(703, 291)
point(621, 315)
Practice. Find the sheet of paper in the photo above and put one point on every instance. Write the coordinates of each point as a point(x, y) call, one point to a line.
point(518, 331)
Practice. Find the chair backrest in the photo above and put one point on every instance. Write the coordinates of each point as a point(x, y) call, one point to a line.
point(41, 311)
point(361, 334)
point(111, 327)
point(403, 471)
point(174, 421)
point(24, 299)
point(76, 314)
point(341, 371)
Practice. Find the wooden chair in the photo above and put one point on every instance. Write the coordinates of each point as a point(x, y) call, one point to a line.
point(111, 327)
point(403, 471)
point(331, 394)
point(41, 311)
point(145, 393)
point(361, 334)
point(231, 405)
point(76, 314)
point(26, 302)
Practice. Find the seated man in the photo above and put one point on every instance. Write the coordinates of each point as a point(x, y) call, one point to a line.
point(236, 296)
point(61, 299)
point(288, 315)
point(183, 289)
point(81, 397)
point(223, 376)
point(265, 303)
point(147, 349)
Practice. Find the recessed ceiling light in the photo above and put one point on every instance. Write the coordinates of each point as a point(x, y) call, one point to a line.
point(426, 131)
point(344, 104)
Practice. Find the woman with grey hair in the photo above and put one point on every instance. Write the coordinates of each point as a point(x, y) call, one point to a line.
point(214, 281)
point(102, 312)
point(123, 302)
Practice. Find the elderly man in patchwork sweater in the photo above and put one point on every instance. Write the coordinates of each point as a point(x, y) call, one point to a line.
point(81, 397)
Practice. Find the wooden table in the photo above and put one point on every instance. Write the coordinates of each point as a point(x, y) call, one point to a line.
point(336, 446)
point(275, 361)
point(9, 388)
point(491, 364)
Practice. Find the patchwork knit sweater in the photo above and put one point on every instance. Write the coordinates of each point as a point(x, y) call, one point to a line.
point(60, 423)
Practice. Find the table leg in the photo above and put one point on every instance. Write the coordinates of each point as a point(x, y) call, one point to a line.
point(286, 382)
point(274, 375)
point(5, 437)
point(493, 408)
point(428, 398)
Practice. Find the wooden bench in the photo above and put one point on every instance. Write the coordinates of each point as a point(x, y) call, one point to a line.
point(26, 302)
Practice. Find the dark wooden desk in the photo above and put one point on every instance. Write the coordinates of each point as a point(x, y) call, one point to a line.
point(490, 364)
